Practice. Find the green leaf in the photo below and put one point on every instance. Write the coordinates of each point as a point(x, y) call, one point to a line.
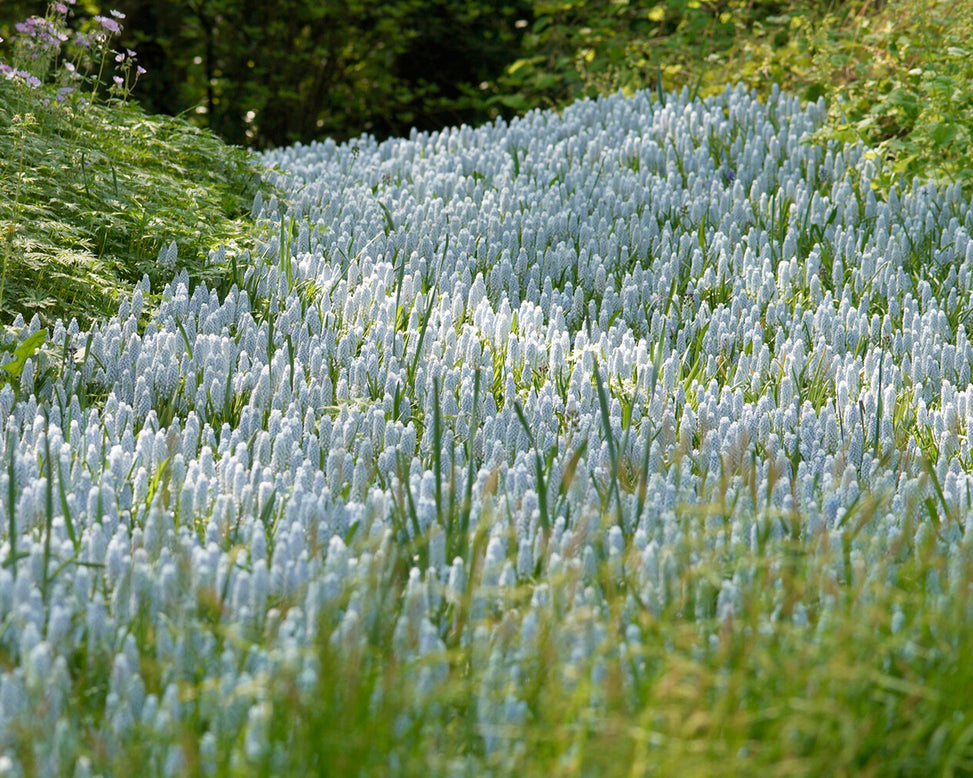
point(546, 81)
point(517, 102)
point(522, 63)
point(902, 98)
point(943, 133)
point(23, 352)
point(387, 214)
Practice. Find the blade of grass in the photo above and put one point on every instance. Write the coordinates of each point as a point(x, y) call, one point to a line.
point(414, 366)
point(612, 453)
point(467, 507)
point(11, 560)
point(48, 508)
point(437, 440)
point(538, 469)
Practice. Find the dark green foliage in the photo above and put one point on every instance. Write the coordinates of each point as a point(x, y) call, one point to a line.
point(267, 74)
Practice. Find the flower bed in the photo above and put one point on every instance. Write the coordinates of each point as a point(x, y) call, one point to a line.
point(509, 416)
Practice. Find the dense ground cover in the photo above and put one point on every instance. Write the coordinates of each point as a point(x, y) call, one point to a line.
point(633, 439)
point(629, 440)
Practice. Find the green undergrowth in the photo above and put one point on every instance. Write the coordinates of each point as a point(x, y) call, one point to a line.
point(896, 74)
point(90, 195)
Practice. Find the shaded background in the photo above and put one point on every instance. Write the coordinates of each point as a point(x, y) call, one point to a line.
point(267, 73)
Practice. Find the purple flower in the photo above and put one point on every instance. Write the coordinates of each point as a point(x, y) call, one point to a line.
point(140, 70)
point(118, 80)
point(44, 31)
point(61, 8)
point(12, 74)
point(117, 14)
point(109, 24)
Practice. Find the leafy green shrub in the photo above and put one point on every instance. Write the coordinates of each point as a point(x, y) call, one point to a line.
point(905, 76)
point(91, 188)
point(581, 49)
